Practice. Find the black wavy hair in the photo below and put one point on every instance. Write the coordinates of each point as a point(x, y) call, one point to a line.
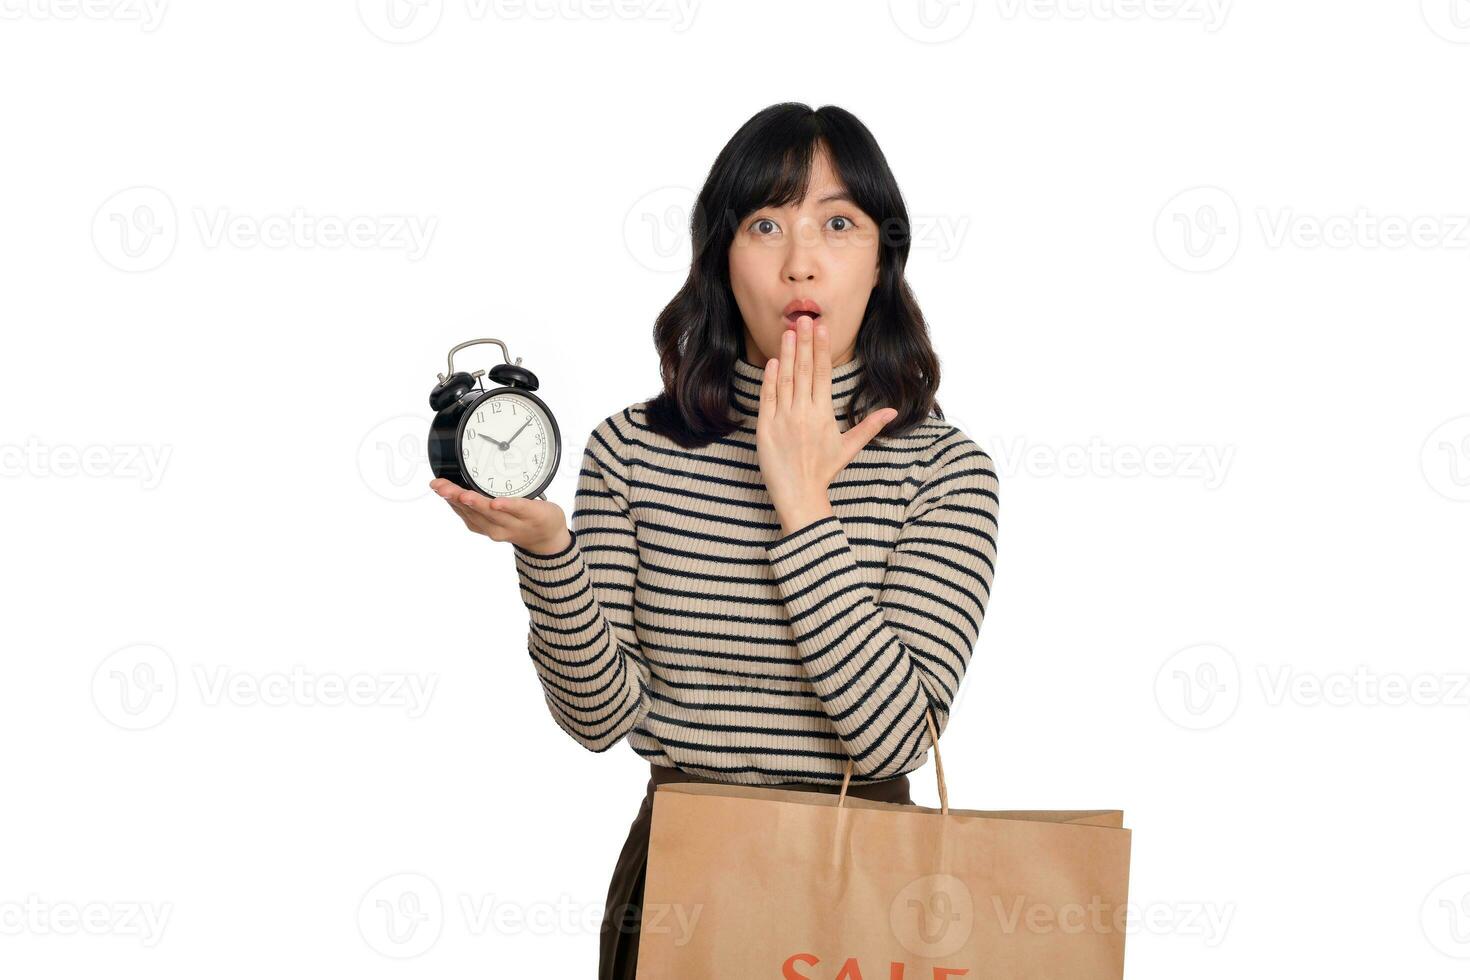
point(700, 333)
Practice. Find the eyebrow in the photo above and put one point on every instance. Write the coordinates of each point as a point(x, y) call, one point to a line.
point(842, 196)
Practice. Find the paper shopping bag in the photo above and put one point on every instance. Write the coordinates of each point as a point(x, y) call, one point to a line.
point(745, 882)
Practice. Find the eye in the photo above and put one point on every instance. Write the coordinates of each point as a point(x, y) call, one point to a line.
point(755, 225)
point(847, 222)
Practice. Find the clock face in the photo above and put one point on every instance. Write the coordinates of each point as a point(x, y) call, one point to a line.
point(508, 445)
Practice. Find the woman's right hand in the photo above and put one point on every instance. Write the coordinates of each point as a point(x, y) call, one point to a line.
point(539, 526)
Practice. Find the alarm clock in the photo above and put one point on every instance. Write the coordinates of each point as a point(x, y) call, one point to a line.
point(502, 441)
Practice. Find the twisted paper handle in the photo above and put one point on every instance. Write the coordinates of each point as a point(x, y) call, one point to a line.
point(938, 767)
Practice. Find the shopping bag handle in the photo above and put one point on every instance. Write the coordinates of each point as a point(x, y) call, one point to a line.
point(938, 766)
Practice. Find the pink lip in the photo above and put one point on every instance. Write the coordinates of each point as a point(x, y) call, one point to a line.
point(802, 304)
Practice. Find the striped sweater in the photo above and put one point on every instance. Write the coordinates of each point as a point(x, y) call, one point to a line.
point(681, 618)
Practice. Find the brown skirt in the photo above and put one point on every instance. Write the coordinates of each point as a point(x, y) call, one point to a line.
point(618, 959)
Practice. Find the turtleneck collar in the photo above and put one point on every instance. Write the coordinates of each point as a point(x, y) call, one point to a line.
point(745, 387)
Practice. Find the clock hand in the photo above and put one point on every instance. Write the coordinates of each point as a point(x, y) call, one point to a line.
point(518, 432)
point(503, 445)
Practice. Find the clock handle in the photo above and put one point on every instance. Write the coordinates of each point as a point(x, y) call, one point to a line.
point(504, 352)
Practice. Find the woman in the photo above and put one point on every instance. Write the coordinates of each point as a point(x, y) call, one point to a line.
point(781, 561)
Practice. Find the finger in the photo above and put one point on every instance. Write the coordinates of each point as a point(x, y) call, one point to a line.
point(488, 509)
point(860, 435)
point(821, 367)
point(514, 508)
point(471, 519)
point(802, 389)
point(769, 394)
point(461, 498)
point(785, 380)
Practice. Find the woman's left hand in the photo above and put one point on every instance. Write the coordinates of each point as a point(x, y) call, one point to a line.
point(798, 444)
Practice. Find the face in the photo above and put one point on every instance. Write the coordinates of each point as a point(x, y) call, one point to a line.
point(821, 250)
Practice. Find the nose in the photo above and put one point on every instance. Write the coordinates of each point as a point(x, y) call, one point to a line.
point(800, 263)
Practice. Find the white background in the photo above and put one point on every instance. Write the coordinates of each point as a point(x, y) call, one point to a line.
point(1227, 239)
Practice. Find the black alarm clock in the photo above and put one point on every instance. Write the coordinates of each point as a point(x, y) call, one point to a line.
point(501, 442)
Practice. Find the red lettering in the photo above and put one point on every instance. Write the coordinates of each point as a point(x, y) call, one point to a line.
point(852, 970)
point(788, 969)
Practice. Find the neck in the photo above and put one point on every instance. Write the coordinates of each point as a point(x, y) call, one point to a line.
point(745, 387)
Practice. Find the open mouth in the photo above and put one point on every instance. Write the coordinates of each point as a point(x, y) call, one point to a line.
point(798, 308)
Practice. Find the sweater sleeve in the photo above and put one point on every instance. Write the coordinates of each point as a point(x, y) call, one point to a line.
point(580, 602)
point(878, 665)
